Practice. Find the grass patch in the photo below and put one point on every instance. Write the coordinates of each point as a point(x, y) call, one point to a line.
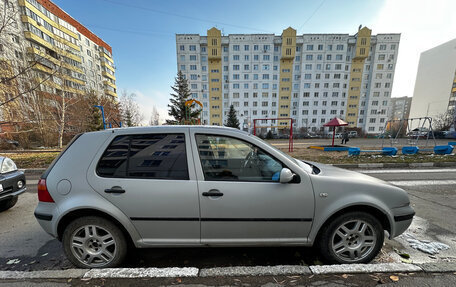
point(32, 160)
point(334, 157)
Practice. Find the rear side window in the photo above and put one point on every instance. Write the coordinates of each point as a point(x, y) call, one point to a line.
point(154, 156)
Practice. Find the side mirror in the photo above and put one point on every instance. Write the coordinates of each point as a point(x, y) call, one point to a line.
point(286, 175)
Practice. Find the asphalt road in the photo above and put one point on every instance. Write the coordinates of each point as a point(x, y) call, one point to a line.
point(25, 246)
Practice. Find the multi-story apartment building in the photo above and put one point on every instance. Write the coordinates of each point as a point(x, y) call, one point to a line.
point(400, 108)
point(435, 86)
point(43, 38)
point(311, 78)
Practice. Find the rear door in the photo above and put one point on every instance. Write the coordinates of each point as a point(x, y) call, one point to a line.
point(149, 178)
point(241, 199)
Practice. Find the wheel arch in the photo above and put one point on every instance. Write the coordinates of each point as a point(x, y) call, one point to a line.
point(78, 213)
point(374, 211)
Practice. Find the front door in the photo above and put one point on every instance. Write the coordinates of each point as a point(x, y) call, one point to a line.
point(241, 199)
point(147, 176)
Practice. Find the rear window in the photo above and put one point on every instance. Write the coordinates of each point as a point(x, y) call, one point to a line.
point(153, 156)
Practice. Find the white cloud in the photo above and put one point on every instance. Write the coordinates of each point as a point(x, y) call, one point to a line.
point(148, 101)
point(423, 25)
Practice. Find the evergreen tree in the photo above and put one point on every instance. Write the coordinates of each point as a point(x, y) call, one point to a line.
point(232, 120)
point(95, 118)
point(177, 108)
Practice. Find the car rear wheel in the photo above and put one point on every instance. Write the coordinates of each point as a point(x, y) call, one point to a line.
point(354, 237)
point(94, 242)
point(7, 204)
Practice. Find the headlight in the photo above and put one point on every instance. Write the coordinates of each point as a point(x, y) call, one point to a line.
point(8, 165)
point(20, 184)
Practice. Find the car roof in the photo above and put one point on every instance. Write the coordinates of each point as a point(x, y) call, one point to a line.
point(200, 128)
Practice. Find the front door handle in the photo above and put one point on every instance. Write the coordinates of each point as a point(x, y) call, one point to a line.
point(115, 189)
point(212, 192)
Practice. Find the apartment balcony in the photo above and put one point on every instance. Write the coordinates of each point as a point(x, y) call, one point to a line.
point(108, 83)
point(111, 93)
point(106, 65)
point(108, 75)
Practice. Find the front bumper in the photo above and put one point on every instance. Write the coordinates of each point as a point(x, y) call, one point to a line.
point(9, 186)
point(403, 217)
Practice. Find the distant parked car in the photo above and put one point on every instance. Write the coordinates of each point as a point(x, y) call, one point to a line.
point(12, 183)
point(451, 135)
point(438, 134)
point(418, 132)
point(174, 186)
point(338, 136)
point(352, 134)
point(8, 144)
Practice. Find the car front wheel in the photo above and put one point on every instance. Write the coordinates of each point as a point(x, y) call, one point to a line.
point(354, 237)
point(7, 204)
point(94, 242)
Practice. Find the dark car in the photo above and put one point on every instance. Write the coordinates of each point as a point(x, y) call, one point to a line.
point(12, 183)
point(438, 134)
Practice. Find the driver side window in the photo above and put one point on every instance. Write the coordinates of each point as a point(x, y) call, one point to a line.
point(230, 159)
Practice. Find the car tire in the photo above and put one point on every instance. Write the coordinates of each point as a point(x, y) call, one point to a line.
point(7, 204)
point(94, 242)
point(354, 237)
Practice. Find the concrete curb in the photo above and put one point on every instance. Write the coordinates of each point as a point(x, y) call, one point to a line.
point(231, 271)
point(33, 171)
point(255, 271)
point(364, 268)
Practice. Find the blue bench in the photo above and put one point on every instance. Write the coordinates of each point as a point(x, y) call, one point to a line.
point(439, 149)
point(384, 151)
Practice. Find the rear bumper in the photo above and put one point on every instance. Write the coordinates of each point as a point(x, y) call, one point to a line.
point(46, 214)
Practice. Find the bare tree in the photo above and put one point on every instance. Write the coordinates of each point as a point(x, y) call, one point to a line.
point(154, 117)
point(444, 121)
point(130, 110)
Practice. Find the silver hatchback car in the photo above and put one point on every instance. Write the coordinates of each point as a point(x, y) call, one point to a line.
point(208, 186)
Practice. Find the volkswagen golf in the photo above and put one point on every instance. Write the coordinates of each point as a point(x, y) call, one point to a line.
point(199, 186)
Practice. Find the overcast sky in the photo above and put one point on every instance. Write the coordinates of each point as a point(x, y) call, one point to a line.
point(142, 32)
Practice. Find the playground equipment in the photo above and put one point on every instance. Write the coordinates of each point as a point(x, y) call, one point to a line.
point(187, 120)
point(424, 128)
point(336, 122)
point(290, 126)
point(103, 118)
point(384, 151)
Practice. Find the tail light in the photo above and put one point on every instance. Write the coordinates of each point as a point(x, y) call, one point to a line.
point(43, 193)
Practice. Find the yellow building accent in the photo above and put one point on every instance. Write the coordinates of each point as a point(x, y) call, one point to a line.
point(214, 51)
point(26, 19)
point(33, 37)
point(110, 84)
point(104, 64)
point(110, 93)
point(286, 68)
point(356, 75)
point(44, 17)
point(29, 35)
point(103, 54)
point(108, 75)
point(53, 60)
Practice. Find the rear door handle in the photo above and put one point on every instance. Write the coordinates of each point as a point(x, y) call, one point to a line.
point(115, 189)
point(212, 192)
